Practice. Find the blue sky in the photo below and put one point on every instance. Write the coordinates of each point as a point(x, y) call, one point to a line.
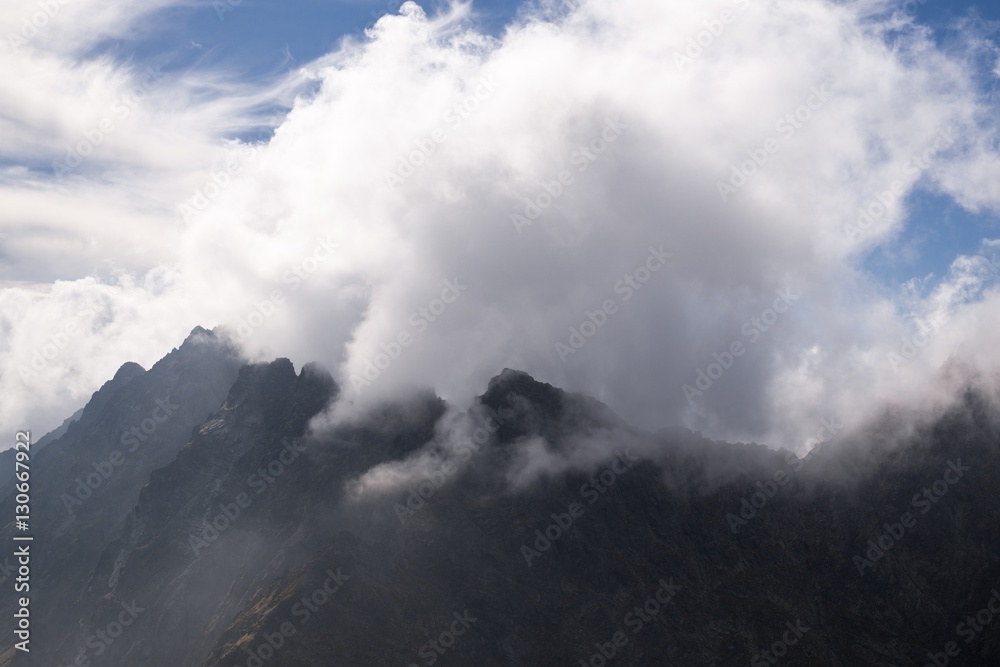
point(938, 229)
point(936, 12)
point(261, 39)
point(261, 36)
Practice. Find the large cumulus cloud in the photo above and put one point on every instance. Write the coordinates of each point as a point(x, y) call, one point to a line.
point(439, 204)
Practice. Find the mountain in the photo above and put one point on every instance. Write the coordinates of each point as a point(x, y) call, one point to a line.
point(85, 482)
point(7, 456)
point(534, 527)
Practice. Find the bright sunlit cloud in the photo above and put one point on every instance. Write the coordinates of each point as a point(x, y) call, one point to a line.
point(666, 205)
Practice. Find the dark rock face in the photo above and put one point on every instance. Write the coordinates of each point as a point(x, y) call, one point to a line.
point(413, 535)
point(85, 482)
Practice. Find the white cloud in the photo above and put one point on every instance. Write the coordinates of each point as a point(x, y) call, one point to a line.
point(553, 84)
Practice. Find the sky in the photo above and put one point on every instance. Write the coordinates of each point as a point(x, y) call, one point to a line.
point(746, 217)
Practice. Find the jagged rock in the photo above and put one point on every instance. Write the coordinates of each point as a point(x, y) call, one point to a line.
point(246, 538)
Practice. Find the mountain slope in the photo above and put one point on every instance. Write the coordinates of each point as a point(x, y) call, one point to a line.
point(534, 528)
point(85, 482)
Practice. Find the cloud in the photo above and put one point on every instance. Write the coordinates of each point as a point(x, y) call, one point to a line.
point(72, 26)
point(422, 151)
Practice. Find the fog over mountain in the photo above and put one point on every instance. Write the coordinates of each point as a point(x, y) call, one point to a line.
point(499, 332)
point(525, 526)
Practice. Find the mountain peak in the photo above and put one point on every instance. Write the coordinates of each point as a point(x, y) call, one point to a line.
point(128, 370)
point(538, 408)
point(200, 334)
point(512, 382)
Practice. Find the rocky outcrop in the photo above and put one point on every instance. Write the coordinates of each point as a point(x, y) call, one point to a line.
point(534, 528)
